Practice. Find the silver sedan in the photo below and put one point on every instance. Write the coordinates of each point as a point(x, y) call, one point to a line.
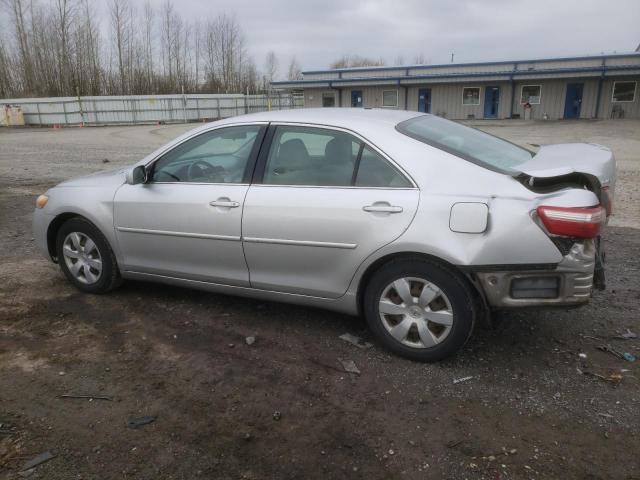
point(421, 225)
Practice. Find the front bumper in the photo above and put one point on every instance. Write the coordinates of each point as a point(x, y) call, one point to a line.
point(570, 283)
point(41, 222)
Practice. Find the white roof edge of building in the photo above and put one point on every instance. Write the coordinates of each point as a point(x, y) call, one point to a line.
point(466, 64)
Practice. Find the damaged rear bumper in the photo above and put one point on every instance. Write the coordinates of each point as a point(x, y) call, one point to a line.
point(569, 283)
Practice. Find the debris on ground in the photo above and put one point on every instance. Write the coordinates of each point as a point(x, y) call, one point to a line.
point(105, 160)
point(38, 460)
point(463, 379)
point(355, 340)
point(605, 415)
point(141, 421)
point(250, 340)
point(613, 377)
point(622, 355)
point(350, 366)
point(628, 335)
point(277, 416)
point(492, 457)
point(320, 363)
point(88, 397)
point(582, 355)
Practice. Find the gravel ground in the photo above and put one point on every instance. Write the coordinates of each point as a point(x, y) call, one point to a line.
point(180, 356)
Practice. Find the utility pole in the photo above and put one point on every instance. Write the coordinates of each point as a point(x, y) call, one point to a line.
point(452, 54)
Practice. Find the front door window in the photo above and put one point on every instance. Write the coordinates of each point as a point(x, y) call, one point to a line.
point(218, 156)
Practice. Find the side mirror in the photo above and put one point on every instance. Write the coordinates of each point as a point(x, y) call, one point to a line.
point(137, 175)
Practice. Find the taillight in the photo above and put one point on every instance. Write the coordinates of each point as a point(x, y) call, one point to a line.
point(573, 222)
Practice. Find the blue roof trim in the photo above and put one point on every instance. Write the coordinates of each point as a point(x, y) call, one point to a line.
point(473, 64)
point(506, 73)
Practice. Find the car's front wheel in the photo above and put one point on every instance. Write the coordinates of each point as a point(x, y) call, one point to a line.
point(420, 309)
point(85, 257)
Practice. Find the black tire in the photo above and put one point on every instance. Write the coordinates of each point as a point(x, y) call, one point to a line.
point(456, 289)
point(109, 278)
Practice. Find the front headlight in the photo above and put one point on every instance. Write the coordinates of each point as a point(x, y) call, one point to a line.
point(41, 201)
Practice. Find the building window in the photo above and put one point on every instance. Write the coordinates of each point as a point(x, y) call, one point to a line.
point(624, 92)
point(471, 96)
point(390, 98)
point(530, 94)
point(328, 100)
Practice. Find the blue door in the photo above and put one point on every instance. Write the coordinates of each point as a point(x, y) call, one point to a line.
point(491, 102)
point(356, 98)
point(424, 100)
point(573, 101)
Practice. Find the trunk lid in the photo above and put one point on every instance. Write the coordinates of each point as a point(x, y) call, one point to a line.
point(572, 165)
point(566, 159)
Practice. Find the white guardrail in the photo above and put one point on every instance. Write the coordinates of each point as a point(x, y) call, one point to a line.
point(132, 109)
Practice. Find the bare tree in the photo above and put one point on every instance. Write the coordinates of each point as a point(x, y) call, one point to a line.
point(86, 58)
point(120, 12)
point(54, 47)
point(6, 67)
point(63, 18)
point(294, 72)
point(224, 53)
point(347, 61)
point(419, 59)
point(168, 17)
point(148, 41)
point(271, 66)
point(197, 53)
point(18, 14)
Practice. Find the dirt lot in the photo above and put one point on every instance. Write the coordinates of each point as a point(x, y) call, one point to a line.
point(180, 355)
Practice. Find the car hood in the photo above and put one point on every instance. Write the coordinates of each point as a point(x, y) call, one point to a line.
point(115, 177)
point(564, 159)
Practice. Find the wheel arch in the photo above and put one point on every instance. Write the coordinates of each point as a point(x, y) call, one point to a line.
point(54, 226)
point(365, 278)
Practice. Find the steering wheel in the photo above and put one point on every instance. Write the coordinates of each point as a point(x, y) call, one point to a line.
point(200, 168)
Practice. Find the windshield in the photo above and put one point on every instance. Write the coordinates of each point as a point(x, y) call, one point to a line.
point(473, 145)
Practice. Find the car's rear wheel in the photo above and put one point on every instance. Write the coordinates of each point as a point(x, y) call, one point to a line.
point(85, 257)
point(420, 309)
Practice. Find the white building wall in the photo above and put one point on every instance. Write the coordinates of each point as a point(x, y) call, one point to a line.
point(629, 109)
point(446, 98)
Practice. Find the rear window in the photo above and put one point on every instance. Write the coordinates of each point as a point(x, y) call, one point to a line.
point(473, 145)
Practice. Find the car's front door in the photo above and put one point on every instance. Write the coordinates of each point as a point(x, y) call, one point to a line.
point(185, 221)
point(322, 201)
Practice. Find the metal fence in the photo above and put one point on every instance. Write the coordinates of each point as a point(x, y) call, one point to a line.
point(131, 109)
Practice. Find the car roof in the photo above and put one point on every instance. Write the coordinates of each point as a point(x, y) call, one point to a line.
point(350, 118)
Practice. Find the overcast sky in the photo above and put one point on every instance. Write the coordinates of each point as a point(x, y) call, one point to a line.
point(318, 32)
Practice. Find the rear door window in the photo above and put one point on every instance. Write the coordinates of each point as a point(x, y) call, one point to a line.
point(375, 171)
point(325, 157)
point(311, 156)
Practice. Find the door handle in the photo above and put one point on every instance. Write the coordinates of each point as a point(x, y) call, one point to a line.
point(383, 208)
point(224, 203)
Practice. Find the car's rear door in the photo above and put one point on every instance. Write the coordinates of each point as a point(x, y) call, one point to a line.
point(186, 220)
point(322, 200)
